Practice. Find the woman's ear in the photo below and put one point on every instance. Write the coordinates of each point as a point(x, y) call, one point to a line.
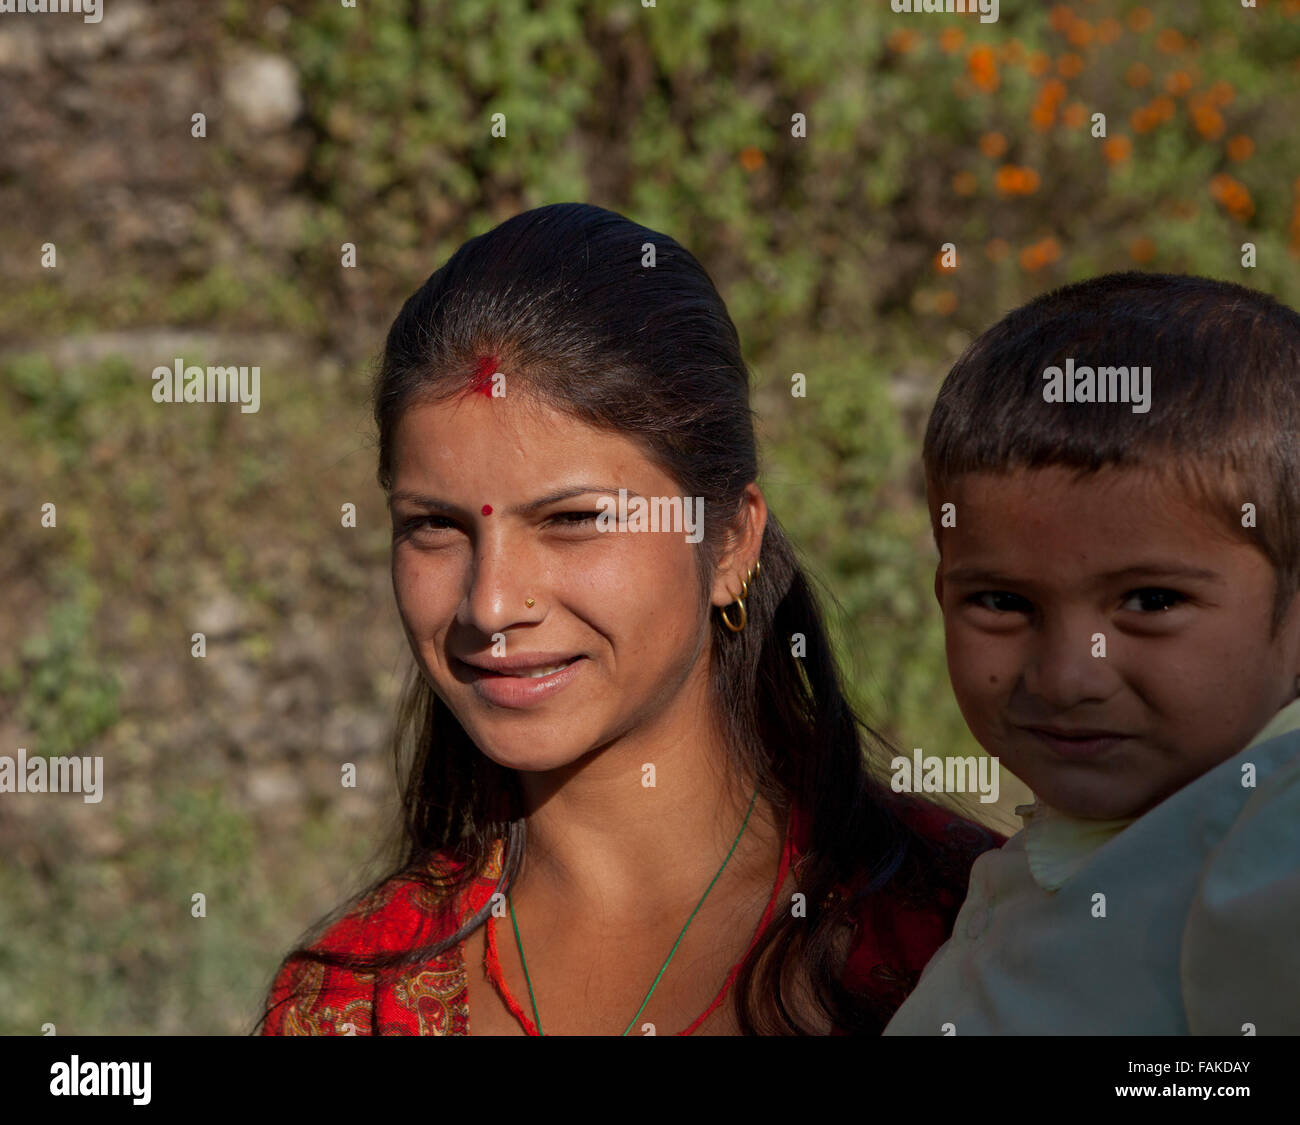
point(742, 547)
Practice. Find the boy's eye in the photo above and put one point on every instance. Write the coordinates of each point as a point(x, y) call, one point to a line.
point(1154, 599)
point(999, 601)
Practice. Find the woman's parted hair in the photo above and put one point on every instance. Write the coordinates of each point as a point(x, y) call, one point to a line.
point(620, 327)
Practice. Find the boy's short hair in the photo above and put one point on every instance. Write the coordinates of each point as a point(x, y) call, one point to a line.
point(1224, 409)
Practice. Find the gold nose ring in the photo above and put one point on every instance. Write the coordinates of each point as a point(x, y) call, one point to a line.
point(529, 602)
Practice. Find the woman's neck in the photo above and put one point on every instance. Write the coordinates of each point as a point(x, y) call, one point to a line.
point(604, 840)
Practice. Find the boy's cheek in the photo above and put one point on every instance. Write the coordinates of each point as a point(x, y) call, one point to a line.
point(984, 670)
point(981, 666)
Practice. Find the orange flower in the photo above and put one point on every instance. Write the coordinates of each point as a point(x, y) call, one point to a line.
point(1232, 195)
point(1076, 113)
point(1147, 117)
point(945, 302)
point(1178, 83)
point(1117, 149)
point(1080, 33)
point(1053, 92)
point(1208, 121)
point(1142, 250)
point(1163, 108)
point(1012, 179)
point(1220, 94)
point(1170, 40)
point(1012, 51)
point(983, 68)
point(1039, 254)
point(1240, 148)
point(964, 183)
point(997, 249)
point(1139, 19)
point(902, 39)
point(752, 159)
point(1061, 18)
point(1038, 64)
point(1138, 75)
point(993, 145)
point(1069, 65)
point(951, 39)
point(1109, 30)
point(1050, 95)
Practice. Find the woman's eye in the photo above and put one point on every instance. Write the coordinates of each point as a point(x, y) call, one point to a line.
point(1154, 599)
point(999, 601)
point(426, 524)
point(574, 519)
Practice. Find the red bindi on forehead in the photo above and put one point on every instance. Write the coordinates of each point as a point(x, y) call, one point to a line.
point(480, 382)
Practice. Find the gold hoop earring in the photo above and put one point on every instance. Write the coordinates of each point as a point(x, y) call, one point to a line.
point(751, 573)
point(722, 612)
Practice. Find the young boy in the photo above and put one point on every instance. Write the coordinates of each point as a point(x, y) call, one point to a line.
point(1113, 473)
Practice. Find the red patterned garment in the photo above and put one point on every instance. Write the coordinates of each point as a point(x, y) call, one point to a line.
point(898, 933)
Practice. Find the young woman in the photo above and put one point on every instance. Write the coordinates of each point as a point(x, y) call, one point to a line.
point(638, 801)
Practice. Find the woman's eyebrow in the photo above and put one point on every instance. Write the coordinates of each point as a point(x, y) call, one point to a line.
point(427, 501)
point(567, 493)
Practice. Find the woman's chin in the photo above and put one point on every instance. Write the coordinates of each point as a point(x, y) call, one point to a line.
point(532, 756)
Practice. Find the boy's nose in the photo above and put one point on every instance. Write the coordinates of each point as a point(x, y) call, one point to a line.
point(1066, 668)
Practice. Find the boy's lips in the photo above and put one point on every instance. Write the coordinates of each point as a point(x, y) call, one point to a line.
point(1075, 732)
point(1076, 742)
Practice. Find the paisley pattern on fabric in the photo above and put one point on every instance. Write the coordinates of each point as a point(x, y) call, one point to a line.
point(437, 998)
point(309, 1016)
point(309, 998)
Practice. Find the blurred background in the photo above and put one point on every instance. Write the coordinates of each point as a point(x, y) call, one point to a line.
point(327, 125)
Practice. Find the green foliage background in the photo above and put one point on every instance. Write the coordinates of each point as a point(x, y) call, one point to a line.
point(680, 116)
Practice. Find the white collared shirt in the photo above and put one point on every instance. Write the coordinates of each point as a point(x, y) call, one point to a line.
point(1185, 920)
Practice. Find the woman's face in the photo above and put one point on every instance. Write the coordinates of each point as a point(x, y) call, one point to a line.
point(494, 504)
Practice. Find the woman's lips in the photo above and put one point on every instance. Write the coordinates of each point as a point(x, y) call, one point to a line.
point(1086, 745)
point(522, 686)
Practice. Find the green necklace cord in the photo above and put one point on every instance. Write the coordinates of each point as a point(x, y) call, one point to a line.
point(528, 980)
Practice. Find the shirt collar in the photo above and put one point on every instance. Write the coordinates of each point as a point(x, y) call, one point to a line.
point(1057, 845)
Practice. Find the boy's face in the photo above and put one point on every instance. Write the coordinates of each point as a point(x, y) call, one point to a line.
point(1037, 565)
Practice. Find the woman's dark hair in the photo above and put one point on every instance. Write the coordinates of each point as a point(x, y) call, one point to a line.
point(621, 328)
